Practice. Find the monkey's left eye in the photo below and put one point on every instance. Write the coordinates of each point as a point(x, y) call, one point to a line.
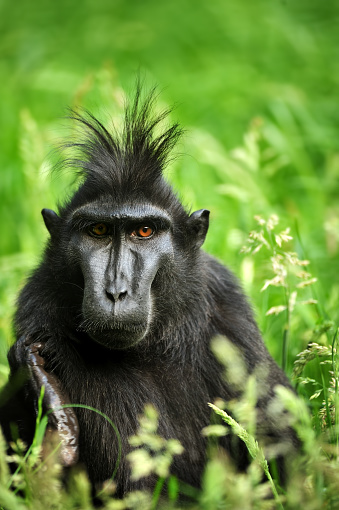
point(143, 232)
point(99, 229)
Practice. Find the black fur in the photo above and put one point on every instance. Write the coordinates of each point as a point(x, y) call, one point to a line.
point(194, 299)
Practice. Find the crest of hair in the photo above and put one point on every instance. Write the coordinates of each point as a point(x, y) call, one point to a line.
point(135, 157)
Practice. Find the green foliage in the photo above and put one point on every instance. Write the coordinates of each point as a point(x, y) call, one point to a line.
point(289, 271)
point(258, 99)
point(252, 445)
point(153, 454)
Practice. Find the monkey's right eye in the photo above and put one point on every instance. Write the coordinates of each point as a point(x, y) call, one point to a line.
point(98, 230)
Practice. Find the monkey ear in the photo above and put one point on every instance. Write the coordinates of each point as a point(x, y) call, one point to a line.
point(198, 225)
point(51, 220)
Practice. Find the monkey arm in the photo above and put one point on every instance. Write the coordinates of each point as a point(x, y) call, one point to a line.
point(27, 357)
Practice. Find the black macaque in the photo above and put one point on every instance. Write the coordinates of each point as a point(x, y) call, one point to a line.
point(122, 309)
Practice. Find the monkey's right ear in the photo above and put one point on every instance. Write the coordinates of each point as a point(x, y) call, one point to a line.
point(51, 220)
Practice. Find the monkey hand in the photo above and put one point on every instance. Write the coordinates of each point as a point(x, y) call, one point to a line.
point(62, 421)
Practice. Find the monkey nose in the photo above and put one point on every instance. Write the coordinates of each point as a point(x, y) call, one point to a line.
point(116, 296)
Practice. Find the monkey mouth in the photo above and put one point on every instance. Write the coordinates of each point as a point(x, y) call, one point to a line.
point(116, 334)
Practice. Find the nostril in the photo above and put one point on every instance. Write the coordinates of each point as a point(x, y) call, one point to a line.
point(116, 296)
point(121, 295)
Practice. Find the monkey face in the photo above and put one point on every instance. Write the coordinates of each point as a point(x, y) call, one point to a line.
point(119, 253)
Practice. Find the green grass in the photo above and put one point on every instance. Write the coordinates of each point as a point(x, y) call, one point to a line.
point(255, 85)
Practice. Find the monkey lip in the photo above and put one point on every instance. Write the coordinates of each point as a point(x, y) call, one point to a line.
point(118, 335)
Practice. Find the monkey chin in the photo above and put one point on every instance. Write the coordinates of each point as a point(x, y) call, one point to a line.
point(118, 338)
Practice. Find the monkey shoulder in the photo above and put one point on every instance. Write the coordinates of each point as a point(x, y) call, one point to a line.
point(231, 314)
point(222, 284)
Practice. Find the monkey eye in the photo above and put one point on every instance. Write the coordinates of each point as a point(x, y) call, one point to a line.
point(99, 229)
point(143, 232)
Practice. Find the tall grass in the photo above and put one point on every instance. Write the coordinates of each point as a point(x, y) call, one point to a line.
point(313, 472)
point(256, 85)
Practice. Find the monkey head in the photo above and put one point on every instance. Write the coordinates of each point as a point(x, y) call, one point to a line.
point(120, 252)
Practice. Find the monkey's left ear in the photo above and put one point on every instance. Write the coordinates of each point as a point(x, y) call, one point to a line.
point(198, 226)
point(51, 220)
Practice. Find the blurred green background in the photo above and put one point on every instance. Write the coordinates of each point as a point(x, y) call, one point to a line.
point(256, 86)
